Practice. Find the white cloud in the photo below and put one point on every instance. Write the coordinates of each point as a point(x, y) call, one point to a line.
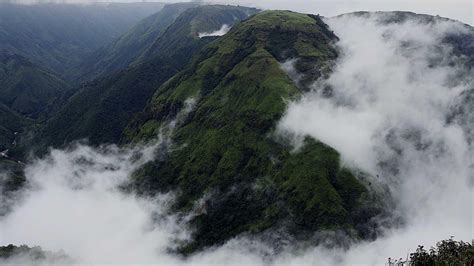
point(223, 30)
point(74, 203)
point(388, 116)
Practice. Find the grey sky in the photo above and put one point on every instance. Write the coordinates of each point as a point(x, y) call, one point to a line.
point(462, 10)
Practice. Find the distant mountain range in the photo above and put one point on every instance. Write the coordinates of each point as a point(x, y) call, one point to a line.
point(101, 109)
point(59, 36)
point(128, 48)
point(41, 45)
point(27, 87)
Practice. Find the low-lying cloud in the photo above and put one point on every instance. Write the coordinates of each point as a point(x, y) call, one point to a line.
point(393, 89)
point(75, 205)
point(222, 31)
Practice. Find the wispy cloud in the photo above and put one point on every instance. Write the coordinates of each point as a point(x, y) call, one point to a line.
point(393, 89)
point(223, 30)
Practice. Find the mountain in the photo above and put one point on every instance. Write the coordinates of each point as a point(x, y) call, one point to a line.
point(59, 36)
point(28, 88)
point(181, 39)
point(154, 37)
point(101, 109)
point(224, 153)
point(24, 255)
point(10, 123)
point(212, 83)
point(128, 47)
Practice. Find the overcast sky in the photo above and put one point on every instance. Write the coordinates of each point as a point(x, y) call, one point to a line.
point(462, 10)
point(457, 9)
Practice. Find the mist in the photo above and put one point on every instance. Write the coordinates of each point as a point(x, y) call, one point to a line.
point(392, 91)
point(223, 30)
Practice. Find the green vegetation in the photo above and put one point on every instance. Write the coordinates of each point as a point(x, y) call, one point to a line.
point(446, 252)
point(14, 175)
point(40, 45)
point(28, 88)
point(130, 46)
point(59, 36)
point(10, 122)
point(27, 255)
point(180, 41)
point(101, 109)
point(227, 149)
point(233, 173)
point(154, 37)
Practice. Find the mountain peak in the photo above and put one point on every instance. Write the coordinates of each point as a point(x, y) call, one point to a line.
point(227, 147)
point(287, 36)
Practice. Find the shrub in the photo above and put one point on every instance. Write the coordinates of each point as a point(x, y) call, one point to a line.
point(446, 252)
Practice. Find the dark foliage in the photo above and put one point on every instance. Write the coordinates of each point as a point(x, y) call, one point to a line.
point(101, 110)
point(32, 255)
point(446, 252)
point(225, 148)
point(59, 36)
point(28, 88)
point(129, 47)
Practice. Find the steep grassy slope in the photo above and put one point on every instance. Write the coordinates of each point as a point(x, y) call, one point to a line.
point(225, 153)
point(181, 39)
point(58, 36)
point(101, 110)
point(128, 47)
point(27, 88)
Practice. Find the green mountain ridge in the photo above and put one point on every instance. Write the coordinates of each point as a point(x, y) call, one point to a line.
point(227, 148)
point(28, 88)
point(180, 39)
point(102, 108)
point(59, 36)
point(128, 47)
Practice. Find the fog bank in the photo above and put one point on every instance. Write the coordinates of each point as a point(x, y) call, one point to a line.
point(389, 111)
